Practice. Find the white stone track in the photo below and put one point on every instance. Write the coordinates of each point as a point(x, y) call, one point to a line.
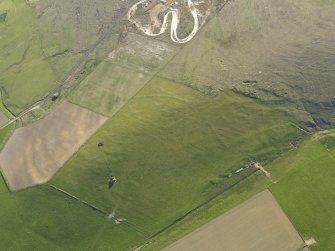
point(174, 22)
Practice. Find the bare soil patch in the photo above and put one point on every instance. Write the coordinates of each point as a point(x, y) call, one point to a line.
point(310, 242)
point(259, 224)
point(34, 153)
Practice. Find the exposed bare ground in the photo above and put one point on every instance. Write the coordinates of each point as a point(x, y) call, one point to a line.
point(310, 242)
point(34, 153)
point(262, 169)
point(258, 224)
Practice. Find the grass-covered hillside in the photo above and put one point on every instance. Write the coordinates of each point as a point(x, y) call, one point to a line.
point(172, 148)
point(185, 122)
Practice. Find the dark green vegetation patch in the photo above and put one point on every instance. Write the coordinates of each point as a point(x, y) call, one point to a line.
point(3, 16)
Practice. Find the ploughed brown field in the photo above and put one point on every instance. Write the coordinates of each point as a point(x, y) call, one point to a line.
point(35, 153)
point(259, 224)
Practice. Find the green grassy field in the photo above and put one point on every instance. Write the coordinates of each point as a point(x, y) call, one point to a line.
point(35, 53)
point(25, 73)
point(166, 147)
point(41, 218)
point(108, 88)
point(172, 147)
point(306, 189)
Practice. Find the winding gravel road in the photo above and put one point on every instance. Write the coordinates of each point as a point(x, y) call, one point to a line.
point(174, 13)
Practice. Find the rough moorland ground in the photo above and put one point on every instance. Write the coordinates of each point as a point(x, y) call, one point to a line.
point(278, 51)
point(169, 140)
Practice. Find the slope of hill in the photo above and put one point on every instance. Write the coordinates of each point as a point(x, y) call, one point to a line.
point(188, 116)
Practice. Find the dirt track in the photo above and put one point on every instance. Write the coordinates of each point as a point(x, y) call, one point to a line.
point(34, 153)
point(258, 224)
